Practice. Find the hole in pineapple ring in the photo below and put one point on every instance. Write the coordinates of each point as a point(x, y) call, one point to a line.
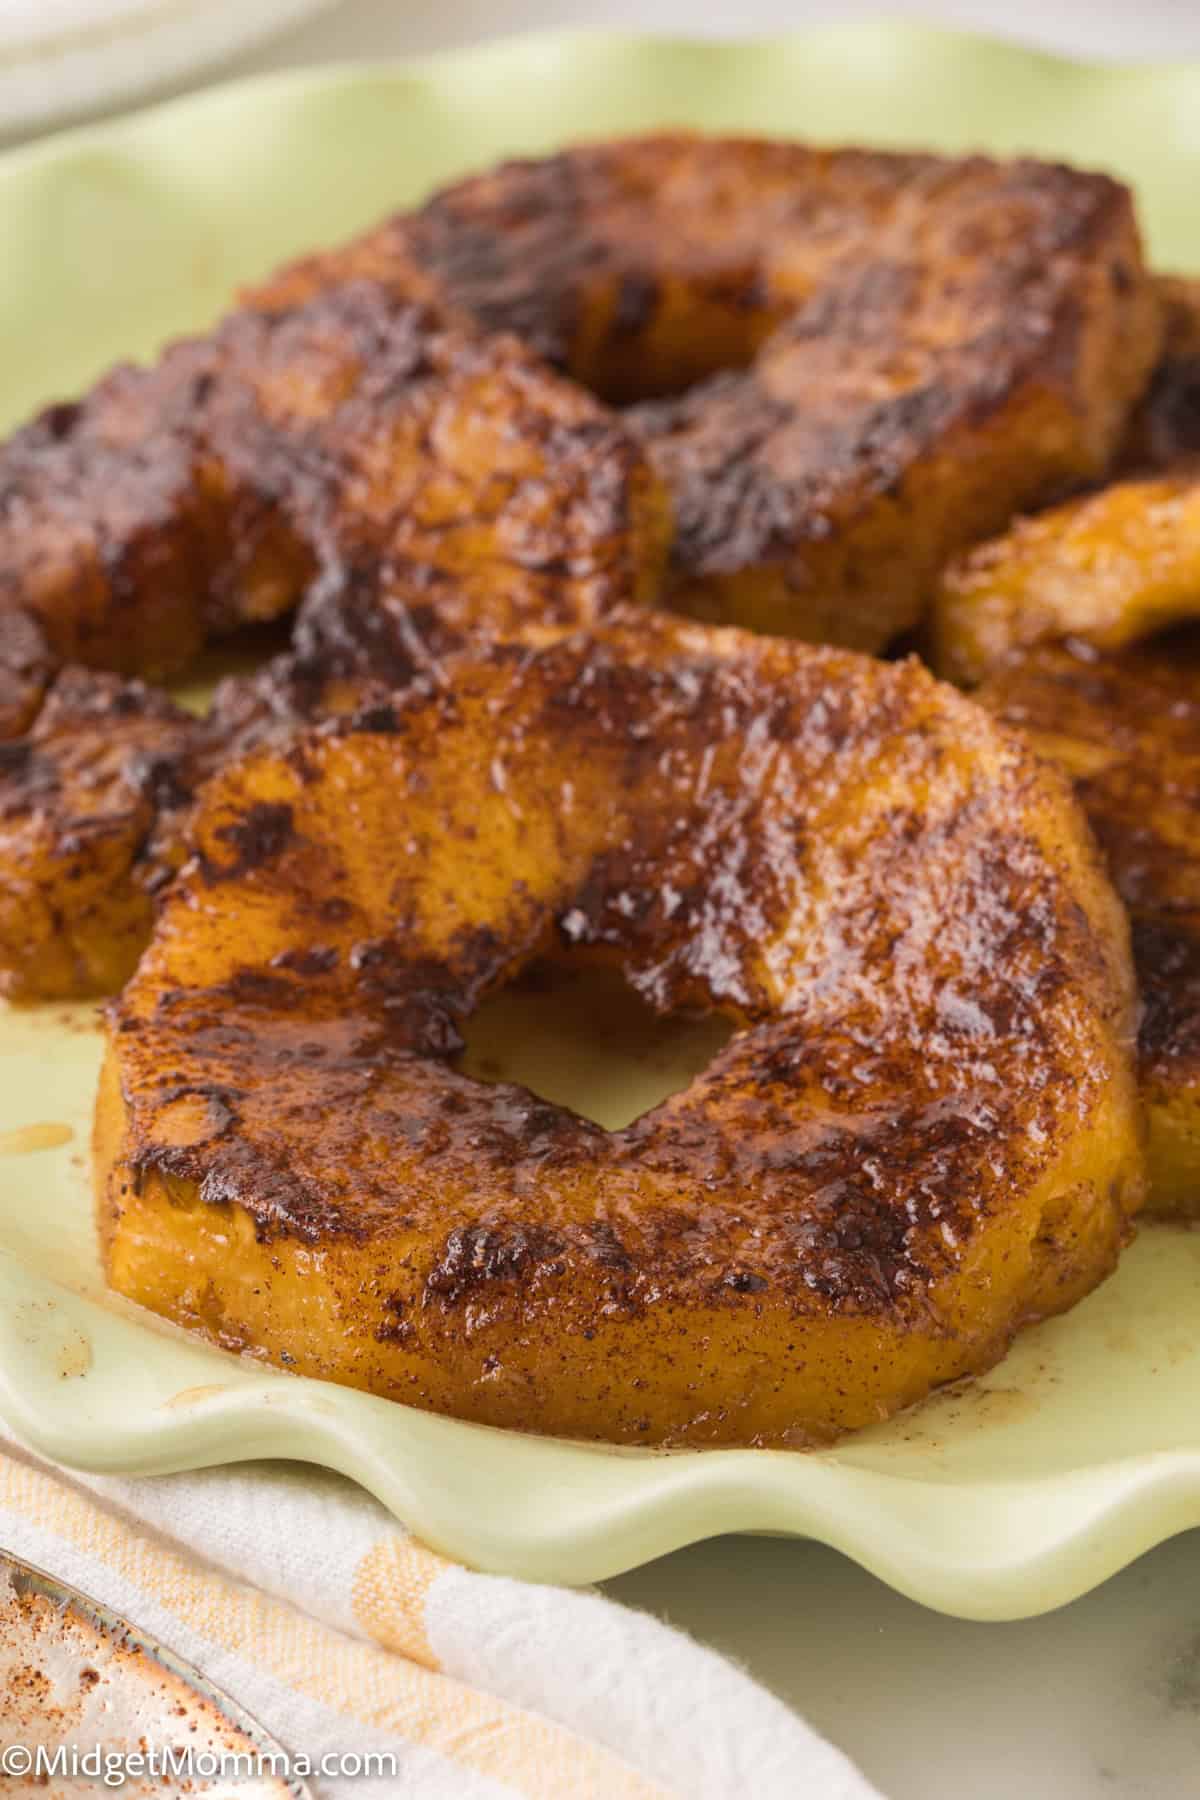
point(581, 1037)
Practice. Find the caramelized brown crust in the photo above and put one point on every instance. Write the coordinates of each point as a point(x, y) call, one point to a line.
point(1180, 299)
point(121, 532)
point(357, 429)
point(441, 485)
point(886, 356)
point(105, 763)
point(922, 1134)
point(122, 760)
point(1165, 426)
point(94, 798)
point(1106, 569)
point(26, 667)
point(1126, 727)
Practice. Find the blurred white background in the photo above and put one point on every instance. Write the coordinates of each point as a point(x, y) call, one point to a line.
point(1153, 29)
point(63, 59)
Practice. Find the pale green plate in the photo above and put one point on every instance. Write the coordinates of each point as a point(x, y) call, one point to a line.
point(1002, 1499)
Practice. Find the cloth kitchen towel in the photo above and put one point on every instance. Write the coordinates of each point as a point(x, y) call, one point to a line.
point(299, 1595)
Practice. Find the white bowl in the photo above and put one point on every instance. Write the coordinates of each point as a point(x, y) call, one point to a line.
point(63, 58)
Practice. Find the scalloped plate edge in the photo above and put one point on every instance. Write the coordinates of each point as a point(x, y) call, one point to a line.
point(1028, 1545)
point(570, 1512)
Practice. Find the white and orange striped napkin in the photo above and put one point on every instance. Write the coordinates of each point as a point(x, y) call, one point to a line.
point(297, 1594)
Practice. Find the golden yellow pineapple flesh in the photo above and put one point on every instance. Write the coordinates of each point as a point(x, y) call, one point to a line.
point(845, 364)
point(1126, 726)
point(1109, 568)
point(922, 1134)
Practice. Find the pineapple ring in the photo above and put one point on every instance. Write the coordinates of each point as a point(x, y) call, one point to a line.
point(844, 364)
point(1107, 569)
point(922, 1135)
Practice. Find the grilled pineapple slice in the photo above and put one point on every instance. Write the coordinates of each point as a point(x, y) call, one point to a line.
point(105, 763)
point(1165, 427)
point(93, 801)
point(359, 430)
point(26, 668)
point(883, 357)
point(845, 364)
point(442, 486)
point(1126, 726)
point(1110, 568)
point(922, 1134)
point(1061, 615)
point(848, 364)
